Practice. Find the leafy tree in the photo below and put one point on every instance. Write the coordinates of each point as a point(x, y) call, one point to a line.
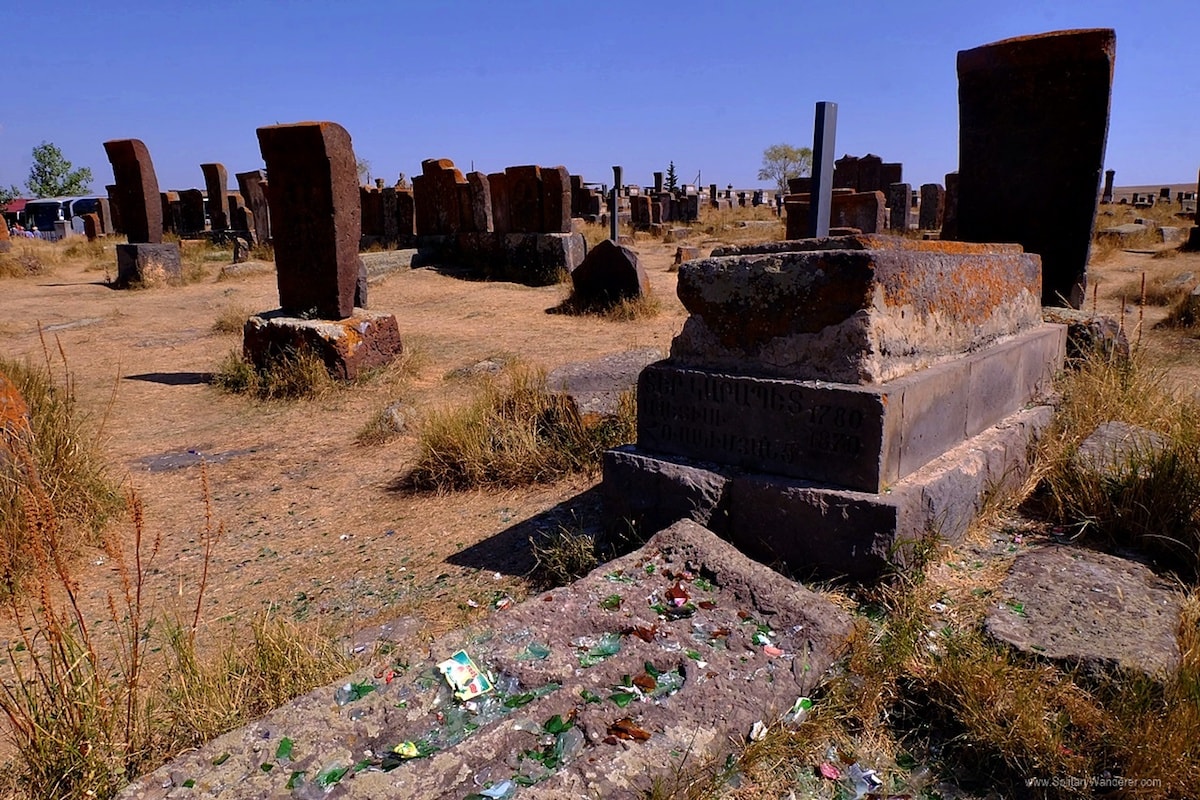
point(783, 161)
point(9, 194)
point(364, 169)
point(672, 178)
point(51, 174)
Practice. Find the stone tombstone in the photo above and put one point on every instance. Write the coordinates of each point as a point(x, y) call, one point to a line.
point(390, 227)
point(713, 201)
point(556, 200)
point(845, 173)
point(91, 227)
point(466, 220)
point(233, 206)
point(933, 206)
point(115, 207)
point(950, 208)
point(639, 211)
point(609, 273)
point(828, 398)
point(498, 185)
point(406, 220)
point(1165, 193)
point(313, 197)
point(481, 202)
point(1109, 176)
point(890, 173)
point(137, 192)
point(370, 202)
point(870, 168)
point(578, 196)
point(423, 202)
point(191, 213)
point(440, 191)
point(799, 185)
point(1033, 125)
point(898, 194)
point(169, 225)
point(865, 212)
point(104, 209)
point(524, 198)
point(250, 185)
point(658, 182)
point(216, 182)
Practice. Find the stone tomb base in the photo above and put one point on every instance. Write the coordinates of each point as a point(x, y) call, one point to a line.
point(347, 346)
point(819, 529)
point(533, 259)
point(148, 264)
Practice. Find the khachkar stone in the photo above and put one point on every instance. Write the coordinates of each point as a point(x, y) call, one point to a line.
point(145, 260)
point(314, 202)
point(115, 207)
point(556, 200)
point(191, 213)
point(1107, 196)
point(933, 206)
point(137, 190)
point(950, 208)
point(216, 182)
point(524, 187)
point(250, 185)
point(91, 227)
point(829, 400)
point(480, 193)
point(898, 200)
point(1033, 124)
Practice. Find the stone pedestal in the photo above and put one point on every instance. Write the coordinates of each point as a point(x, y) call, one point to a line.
point(347, 346)
point(148, 264)
point(831, 402)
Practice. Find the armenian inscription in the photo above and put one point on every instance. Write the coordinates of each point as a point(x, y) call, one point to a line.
point(803, 429)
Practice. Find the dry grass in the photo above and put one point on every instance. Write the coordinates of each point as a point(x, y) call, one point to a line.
point(84, 723)
point(28, 257)
point(292, 376)
point(512, 433)
point(59, 459)
point(231, 320)
point(625, 309)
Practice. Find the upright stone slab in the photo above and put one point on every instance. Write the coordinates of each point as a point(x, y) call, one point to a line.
point(91, 227)
point(191, 217)
point(481, 202)
point(136, 190)
point(313, 197)
point(406, 220)
point(556, 200)
point(890, 173)
point(1107, 195)
point(950, 208)
point(524, 199)
point(870, 167)
point(933, 206)
point(370, 202)
point(845, 173)
point(104, 210)
point(498, 185)
point(216, 182)
point(898, 196)
point(1033, 125)
point(390, 227)
point(250, 184)
point(115, 206)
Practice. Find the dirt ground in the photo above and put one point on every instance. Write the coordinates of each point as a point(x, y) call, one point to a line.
point(313, 524)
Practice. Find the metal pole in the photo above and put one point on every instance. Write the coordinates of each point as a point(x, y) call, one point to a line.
point(613, 225)
point(821, 196)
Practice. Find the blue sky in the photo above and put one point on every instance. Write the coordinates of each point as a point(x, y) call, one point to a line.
point(706, 84)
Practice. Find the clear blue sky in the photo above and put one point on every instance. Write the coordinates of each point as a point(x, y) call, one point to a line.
point(584, 84)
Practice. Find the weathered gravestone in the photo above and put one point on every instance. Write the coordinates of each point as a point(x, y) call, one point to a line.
point(1107, 195)
point(863, 211)
point(933, 206)
point(91, 226)
point(609, 274)
point(950, 208)
point(145, 260)
point(898, 212)
point(191, 213)
point(250, 184)
point(831, 401)
point(115, 206)
point(1033, 124)
point(104, 210)
point(216, 183)
point(658, 660)
point(314, 201)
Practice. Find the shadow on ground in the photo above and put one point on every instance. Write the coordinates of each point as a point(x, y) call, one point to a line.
point(173, 378)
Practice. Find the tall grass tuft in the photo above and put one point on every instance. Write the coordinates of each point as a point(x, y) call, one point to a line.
point(514, 432)
point(294, 375)
point(91, 704)
point(1151, 499)
point(59, 459)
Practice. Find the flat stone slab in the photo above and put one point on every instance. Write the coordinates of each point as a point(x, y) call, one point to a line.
point(852, 309)
point(191, 457)
point(811, 527)
point(1117, 450)
point(668, 654)
point(849, 435)
point(347, 346)
point(386, 262)
point(1088, 609)
point(596, 386)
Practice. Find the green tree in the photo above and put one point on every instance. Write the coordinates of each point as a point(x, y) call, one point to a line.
point(783, 161)
point(51, 174)
point(364, 170)
point(672, 178)
point(9, 194)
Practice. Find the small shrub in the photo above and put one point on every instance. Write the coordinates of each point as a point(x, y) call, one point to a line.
point(564, 555)
point(628, 309)
point(514, 432)
point(383, 426)
point(291, 376)
point(231, 320)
